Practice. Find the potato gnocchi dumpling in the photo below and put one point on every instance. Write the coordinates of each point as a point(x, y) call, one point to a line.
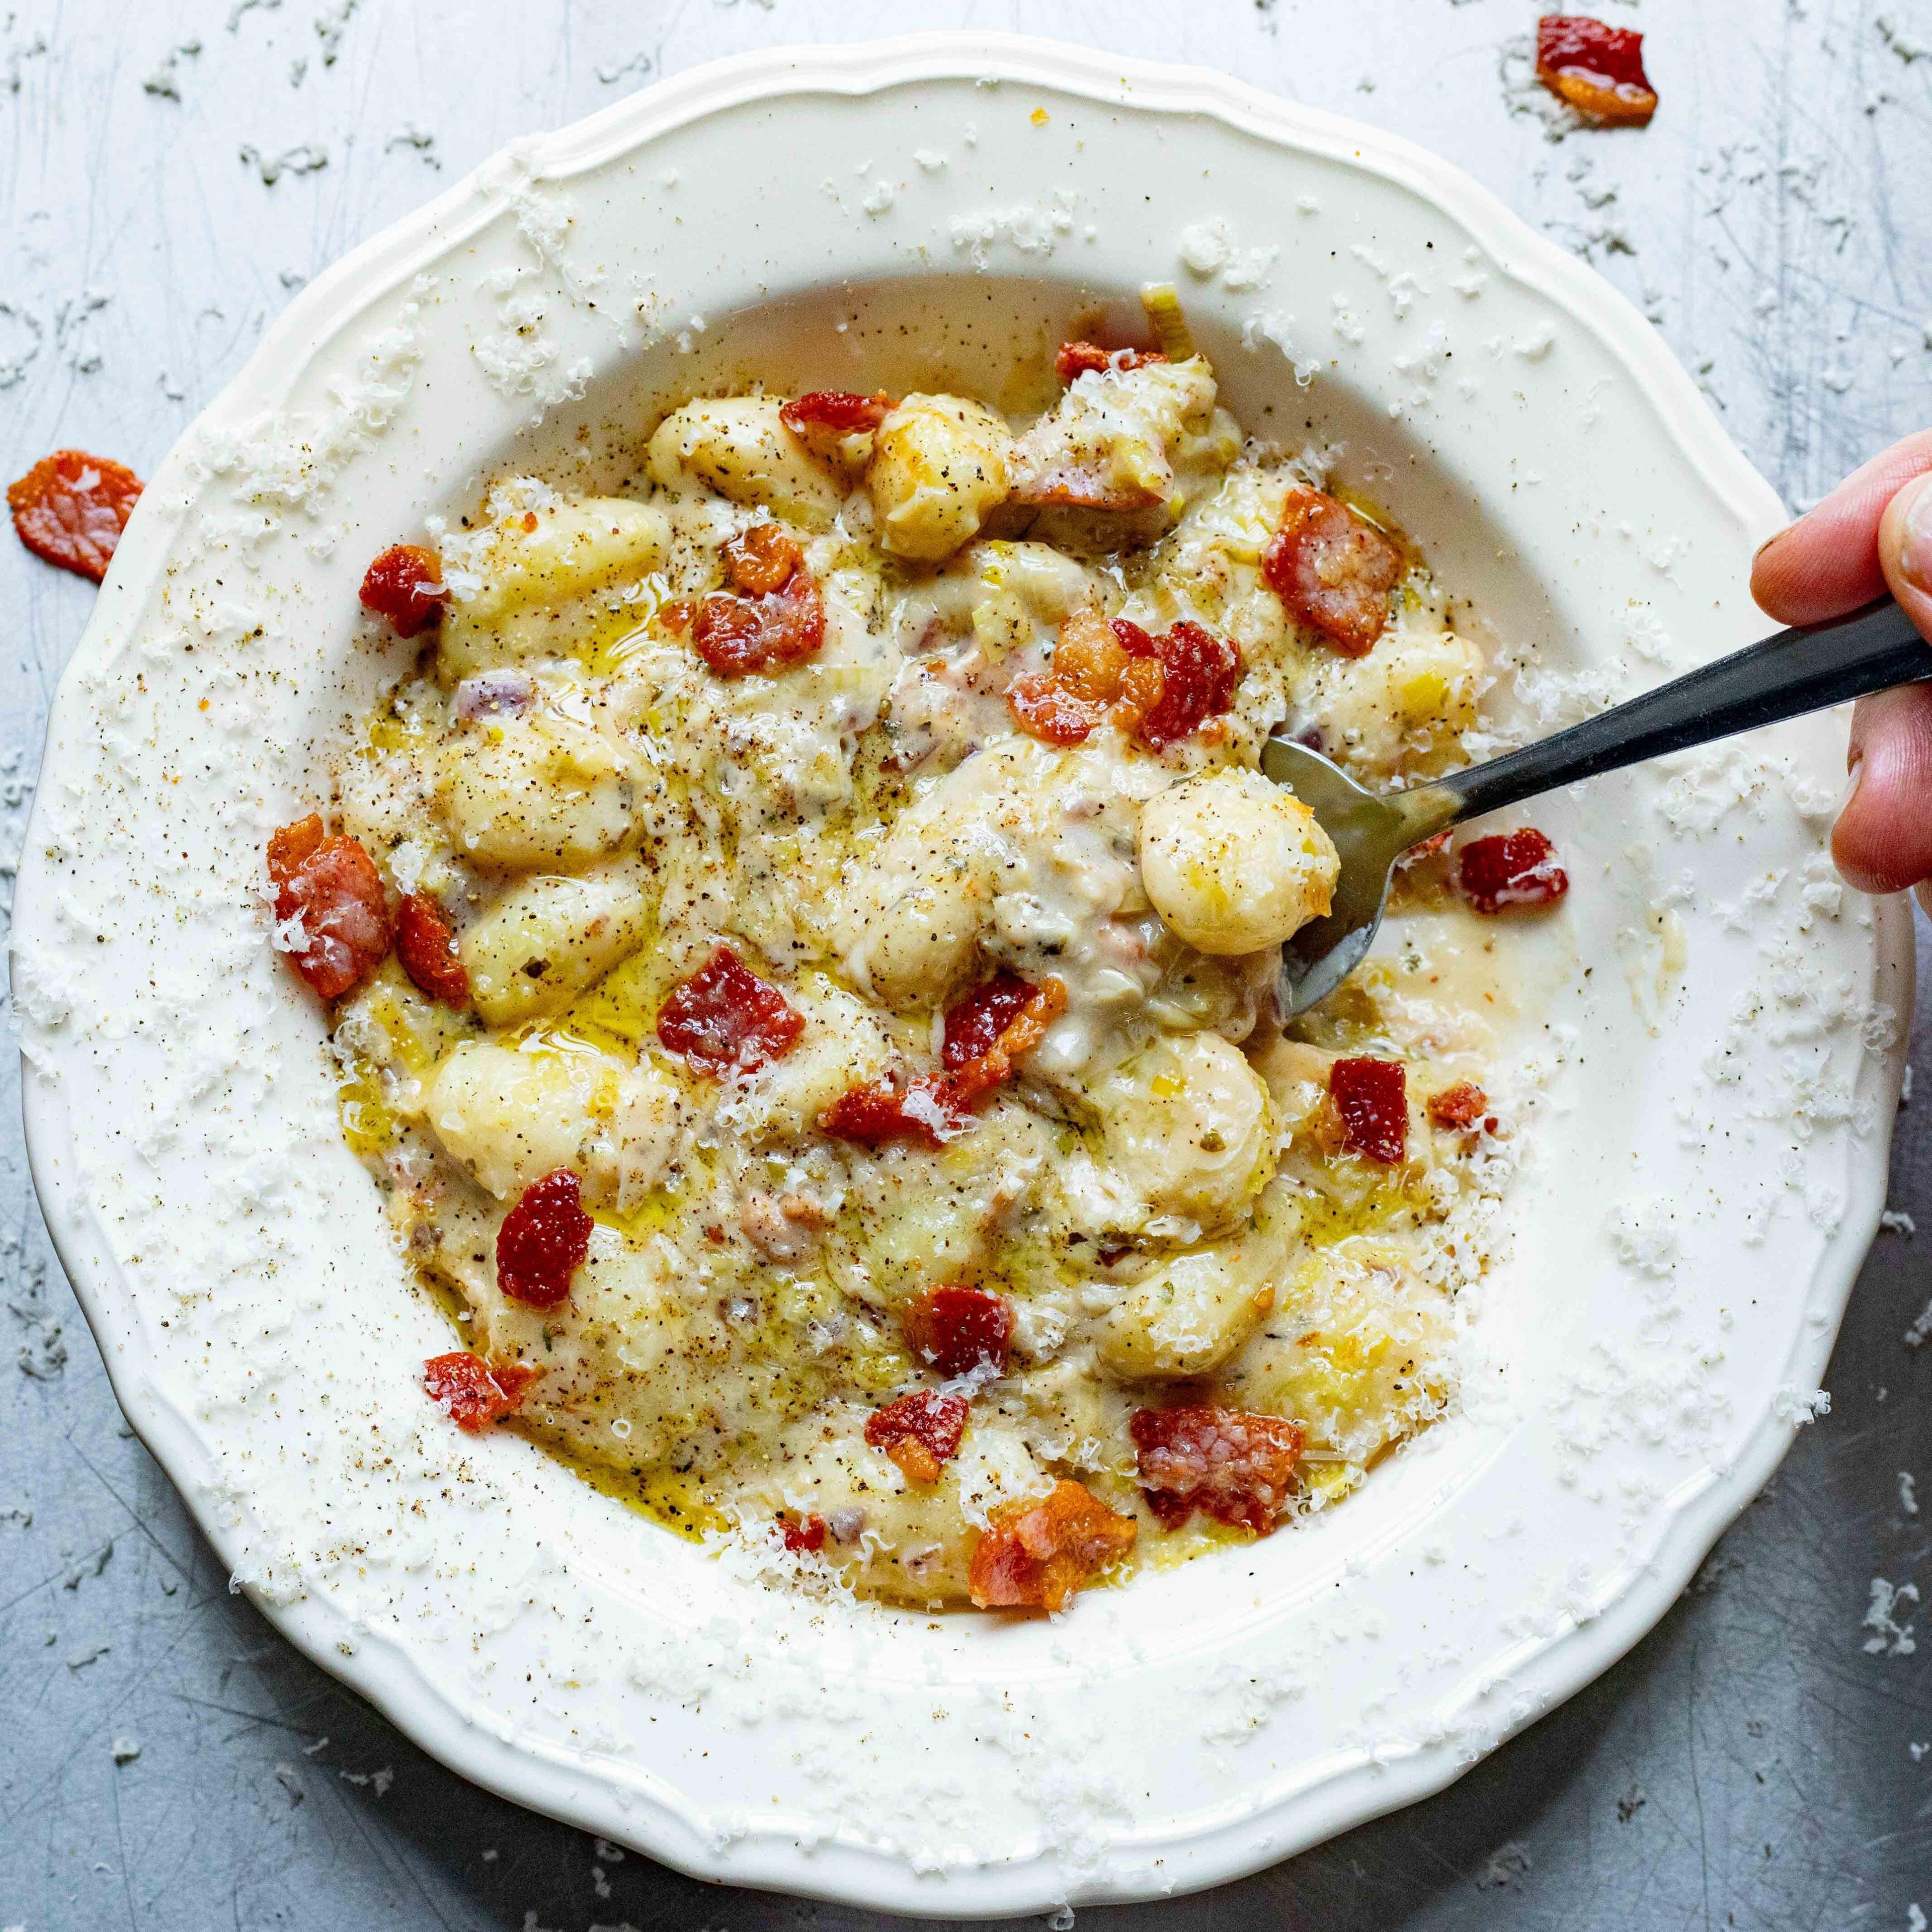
point(1234, 864)
point(810, 925)
point(939, 465)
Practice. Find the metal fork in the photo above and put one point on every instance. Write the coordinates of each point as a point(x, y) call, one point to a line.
point(1782, 677)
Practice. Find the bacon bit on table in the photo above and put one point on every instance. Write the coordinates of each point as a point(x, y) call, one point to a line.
point(937, 1107)
point(1231, 1464)
point(70, 509)
point(1034, 1555)
point(1511, 869)
point(426, 948)
point(1460, 1106)
point(1160, 688)
point(822, 419)
point(725, 1019)
point(1333, 570)
point(405, 585)
point(1076, 359)
point(473, 1394)
point(772, 613)
point(543, 1241)
point(954, 1330)
point(333, 886)
point(1371, 1102)
point(1598, 69)
point(919, 1432)
point(799, 1537)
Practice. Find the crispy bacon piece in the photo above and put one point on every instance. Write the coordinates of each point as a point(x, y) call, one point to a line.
point(1371, 1102)
point(70, 509)
point(472, 1393)
point(1231, 1464)
point(1460, 1106)
point(543, 1241)
point(1511, 869)
point(761, 559)
point(872, 1115)
point(919, 1432)
point(771, 615)
point(1198, 673)
point(1101, 672)
point(332, 886)
point(426, 947)
point(806, 1535)
point(822, 419)
point(1332, 571)
point(938, 1106)
point(1043, 709)
point(1076, 359)
point(971, 1078)
point(974, 1025)
point(405, 585)
point(725, 1019)
point(954, 1330)
point(1598, 69)
point(1034, 1555)
point(1161, 687)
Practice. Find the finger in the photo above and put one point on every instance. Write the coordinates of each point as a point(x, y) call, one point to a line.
point(1905, 553)
point(1827, 562)
point(1883, 841)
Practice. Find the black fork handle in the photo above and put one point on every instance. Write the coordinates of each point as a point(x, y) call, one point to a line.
point(1782, 677)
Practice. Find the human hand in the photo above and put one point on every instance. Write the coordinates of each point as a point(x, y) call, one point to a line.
point(1872, 534)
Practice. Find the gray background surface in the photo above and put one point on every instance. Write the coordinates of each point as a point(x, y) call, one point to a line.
point(1755, 1763)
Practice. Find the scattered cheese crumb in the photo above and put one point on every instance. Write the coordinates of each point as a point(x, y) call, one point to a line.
point(1799, 1406)
point(1892, 1638)
point(1506, 1867)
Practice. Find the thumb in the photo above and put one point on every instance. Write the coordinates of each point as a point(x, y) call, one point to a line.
point(1905, 552)
point(1883, 841)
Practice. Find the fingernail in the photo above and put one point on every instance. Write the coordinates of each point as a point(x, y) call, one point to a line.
point(1855, 770)
point(1915, 553)
point(1776, 536)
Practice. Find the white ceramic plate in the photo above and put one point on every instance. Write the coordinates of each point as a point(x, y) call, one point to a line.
point(1720, 1053)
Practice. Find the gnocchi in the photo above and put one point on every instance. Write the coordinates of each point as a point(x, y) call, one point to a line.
point(521, 793)
point(939, 465)
point(836, 1062)
point(1234, 864)
point(740, 448)
point(510, 1116)
point(546, 938)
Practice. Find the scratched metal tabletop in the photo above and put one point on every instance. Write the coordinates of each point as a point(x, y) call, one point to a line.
point(169, 175)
